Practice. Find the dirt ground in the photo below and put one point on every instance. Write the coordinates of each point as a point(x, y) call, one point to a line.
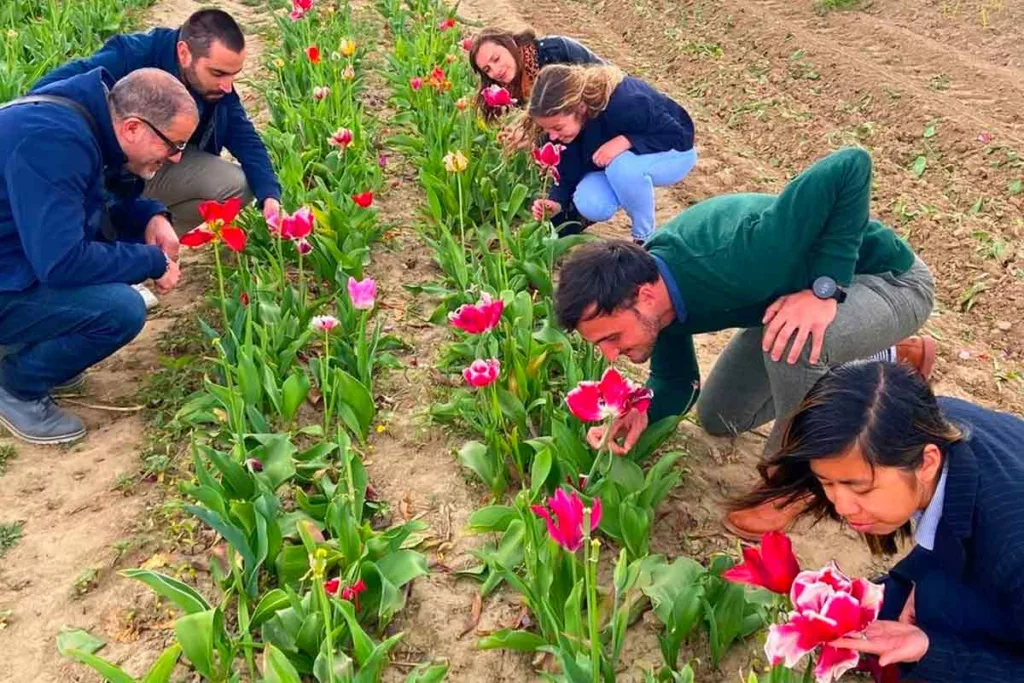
point(772, 85)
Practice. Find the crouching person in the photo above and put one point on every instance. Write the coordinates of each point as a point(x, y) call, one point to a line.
point(66, 300)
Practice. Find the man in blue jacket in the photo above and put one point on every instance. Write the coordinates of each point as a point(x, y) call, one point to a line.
point(206, 54)
point(65, 297)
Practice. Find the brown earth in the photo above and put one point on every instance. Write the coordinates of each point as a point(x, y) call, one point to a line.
point(772, 86)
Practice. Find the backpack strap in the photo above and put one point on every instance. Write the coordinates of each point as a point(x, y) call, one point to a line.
point(65, 102)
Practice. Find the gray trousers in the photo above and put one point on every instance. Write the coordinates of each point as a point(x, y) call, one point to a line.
point(197, 178)
point(747, 389)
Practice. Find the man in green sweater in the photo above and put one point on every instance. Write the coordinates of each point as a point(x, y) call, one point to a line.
point(809, 278)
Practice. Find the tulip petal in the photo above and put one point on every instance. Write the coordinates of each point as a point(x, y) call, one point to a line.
point(779, 562)
point(615, 390)
point(802, 633)
point(595, 513)
point(844, 610)
point(234, 238)
point(196, 237)
point(833, 662)
point(585, 402)
point(870, 596)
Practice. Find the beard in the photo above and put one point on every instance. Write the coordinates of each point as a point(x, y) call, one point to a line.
point(192, 80)
point(641, 353)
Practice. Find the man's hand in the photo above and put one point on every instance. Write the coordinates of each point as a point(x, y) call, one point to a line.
point(545, 208)
point(607, 152)
point(159, 232)
point(629, 427)
point(892, 641)
point(170, 277)
point(271, 207)
point(802, 313)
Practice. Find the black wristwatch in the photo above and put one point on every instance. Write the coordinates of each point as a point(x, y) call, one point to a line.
point(825, 287)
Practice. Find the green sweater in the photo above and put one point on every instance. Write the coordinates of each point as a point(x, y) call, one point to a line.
point(732, 256)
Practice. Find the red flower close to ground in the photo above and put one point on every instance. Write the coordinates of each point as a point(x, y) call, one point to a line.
point(772, 566)
point(217, 225)
point(497, 97)
point(478, 318)
point(363, 200)
point(313, 52)
point(613, 396)
point(566, 525)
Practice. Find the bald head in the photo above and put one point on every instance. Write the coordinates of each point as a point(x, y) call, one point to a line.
point(153, 116)
point(152, 94)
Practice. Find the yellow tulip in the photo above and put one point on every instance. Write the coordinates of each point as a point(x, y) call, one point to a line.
point(455, 162)
point(347, 47)
point(279, 63)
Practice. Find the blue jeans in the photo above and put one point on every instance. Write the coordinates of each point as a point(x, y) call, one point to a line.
point(629, 182)
point(50, 335)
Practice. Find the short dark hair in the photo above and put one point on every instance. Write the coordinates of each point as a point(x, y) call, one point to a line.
point(154, 95)
point(207, 26)
point(886, 410)
point(603, 274)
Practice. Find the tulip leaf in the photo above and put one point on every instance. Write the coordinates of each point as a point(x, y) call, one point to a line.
point(428, 673)
point(163, 667)
point(522, 641)
point(277, 456)
point(653, 437)
point(277, 668)
point(195, 633)
point(402, 566)
point(237, 482)
point(271, 602)
point(181, 594)
point(477, 457)
point(78, 639)
point(249, 379)
point(492, 518)
point(539, 277)
point(541, 470)
point(293, 394)
point(110, 672)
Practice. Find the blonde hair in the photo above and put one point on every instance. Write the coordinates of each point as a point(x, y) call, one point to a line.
point(563, 89)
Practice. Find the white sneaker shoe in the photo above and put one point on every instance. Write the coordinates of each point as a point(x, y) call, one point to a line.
point(147, 296)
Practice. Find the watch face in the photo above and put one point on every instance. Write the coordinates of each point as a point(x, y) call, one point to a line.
point(824, 288)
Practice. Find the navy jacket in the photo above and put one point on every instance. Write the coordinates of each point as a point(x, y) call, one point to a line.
point(969, 591)
point(562, 50)
point(53, 198)
point(652, 121)
point(231, 127)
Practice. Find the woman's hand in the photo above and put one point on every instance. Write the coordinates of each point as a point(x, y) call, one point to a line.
point(545, 208)
point(607, 152)
point(892, 641)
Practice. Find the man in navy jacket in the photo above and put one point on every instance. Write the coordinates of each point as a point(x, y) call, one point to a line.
point(206, 54)
point(67, 169)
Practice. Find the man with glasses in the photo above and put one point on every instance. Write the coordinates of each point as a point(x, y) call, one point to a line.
point(206, 54)
point(75, 233)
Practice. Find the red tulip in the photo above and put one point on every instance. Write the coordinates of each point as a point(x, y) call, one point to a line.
point(341, 138)
point(217, 225)
point(416, 83)
point(773, 566)
point(438, 80)
point(303, 246)
point(333, 586)
point(497, 97)
point(467, 44)
point(446, 24)
point(299, 9)
point(313, 52)
point(482, 373)
point(613, 396)
point(363, 200)
point(254, 464)
point(351, 593)
point(243, 298)
point(478, 318)
point(548, 157)
point(567, 526)
point(827, 605)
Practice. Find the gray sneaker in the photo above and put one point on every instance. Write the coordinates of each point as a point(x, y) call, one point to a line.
point(72, 386)
point(40, 421)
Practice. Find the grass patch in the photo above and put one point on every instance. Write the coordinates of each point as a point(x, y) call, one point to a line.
point(7, 453)
point(824, 6)
point(10, 534)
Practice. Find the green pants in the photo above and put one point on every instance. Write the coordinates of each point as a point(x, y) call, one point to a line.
point(197, 178)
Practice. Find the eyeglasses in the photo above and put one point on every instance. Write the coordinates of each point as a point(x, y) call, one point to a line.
point(174, 147)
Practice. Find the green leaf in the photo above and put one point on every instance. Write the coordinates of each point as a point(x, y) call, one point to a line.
point(293, 393)
point(78, 639)
point(428, 673)
point(540, 470)
point(357, 397)
point(492, 518)
point(653, 437)
point(1015, 187)
point(539, 277)
point(929, 130)
point(269, 604)
point(249, 380)
point(278, 459)
point(277, 668)
point(195, 633)
point(237, 481)
point(523, 641)
point(163, 667)
point(402, 566)
point(477, 457)
point(919, 166)
point(111, 673)
point(182, 595)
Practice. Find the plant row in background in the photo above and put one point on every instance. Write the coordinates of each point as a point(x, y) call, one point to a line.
point(308, 582)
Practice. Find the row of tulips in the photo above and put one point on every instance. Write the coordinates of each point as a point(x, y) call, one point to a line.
point(496, 291)
point(308, 581)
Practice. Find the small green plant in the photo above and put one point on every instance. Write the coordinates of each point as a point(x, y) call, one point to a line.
point(10, 534)
point(939, 82)
point(125, 483)
point(85, 582)
point(825, 6)
point(7, 453)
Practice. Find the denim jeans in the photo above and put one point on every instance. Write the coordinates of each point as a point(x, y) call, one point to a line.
point(50, 335)
point(629, 182)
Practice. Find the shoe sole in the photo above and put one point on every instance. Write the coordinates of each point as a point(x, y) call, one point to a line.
point(72, 388)
point(40, 441)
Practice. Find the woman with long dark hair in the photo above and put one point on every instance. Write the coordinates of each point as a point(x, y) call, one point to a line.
point(873, 447)
point(512, 60)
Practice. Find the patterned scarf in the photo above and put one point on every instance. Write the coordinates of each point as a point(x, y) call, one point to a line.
point(528, 56)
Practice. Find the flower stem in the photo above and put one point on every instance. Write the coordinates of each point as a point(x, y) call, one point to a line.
point(590, 558)
point(325, 370)
point(220, 284)
point(462, 222)
point(302, 284)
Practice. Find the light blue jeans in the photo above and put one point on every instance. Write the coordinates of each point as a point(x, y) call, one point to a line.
point(629, 182)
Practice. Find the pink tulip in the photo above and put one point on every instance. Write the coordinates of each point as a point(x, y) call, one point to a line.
point(772, 566)
point(497, 97)
point(254, 465)
point(382, 161)
point(567, 526)
point(298, 225)
point(324, 323)
point(613, 396)
point(985, 137)
point(478, 318)
point(321, 93)
point(304, 246)
point(467, 44)
point(482, 373)
point(415, 82)
point(341, 138)
point(827, 605)
point(362, 292)
point(299, 9)
point(548, 157)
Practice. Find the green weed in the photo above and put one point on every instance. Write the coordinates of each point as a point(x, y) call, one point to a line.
point(10, 534)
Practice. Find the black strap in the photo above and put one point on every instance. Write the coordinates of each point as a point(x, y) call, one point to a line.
point(66, 102)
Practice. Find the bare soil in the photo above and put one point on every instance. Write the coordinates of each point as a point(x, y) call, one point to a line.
point(772, 85)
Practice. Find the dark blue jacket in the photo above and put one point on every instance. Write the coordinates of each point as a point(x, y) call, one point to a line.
point(231, 127)
point(969, 591)
point(652, 121)
point(562, 50)
point(52, 195)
